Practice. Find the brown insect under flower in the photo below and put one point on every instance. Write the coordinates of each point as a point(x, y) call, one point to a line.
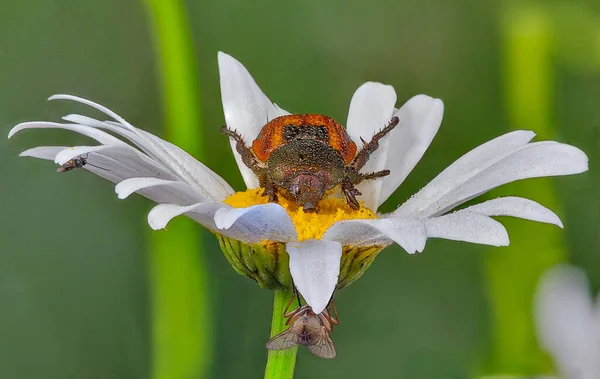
point(308, 329)
point(306, 155)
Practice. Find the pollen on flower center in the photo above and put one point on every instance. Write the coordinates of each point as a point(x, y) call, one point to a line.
point(308, 224)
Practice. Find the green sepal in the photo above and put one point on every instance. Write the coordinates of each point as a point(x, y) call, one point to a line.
point(268, 263)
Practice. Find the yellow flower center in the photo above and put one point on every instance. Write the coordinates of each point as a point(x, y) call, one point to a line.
point(308, 224)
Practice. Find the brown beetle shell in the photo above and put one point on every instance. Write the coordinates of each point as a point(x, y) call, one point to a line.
point(284, 129)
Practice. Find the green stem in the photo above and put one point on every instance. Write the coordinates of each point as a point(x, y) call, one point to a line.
point(280, 363)
point(181, 332)
point(181, 318)
point(512, 273)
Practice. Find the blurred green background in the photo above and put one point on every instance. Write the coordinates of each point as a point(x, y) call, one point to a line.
point(74, 295)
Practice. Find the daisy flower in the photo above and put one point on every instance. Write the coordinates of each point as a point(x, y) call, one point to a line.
point(568, 322)
point(328, 250)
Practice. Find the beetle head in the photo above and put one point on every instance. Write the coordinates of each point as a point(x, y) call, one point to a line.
point(307, 190)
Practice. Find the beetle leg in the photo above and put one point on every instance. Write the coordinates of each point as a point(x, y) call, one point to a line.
point(374, 175)
point(248, 156)
point(368, 148)
point(356, 177)
point(350, 192)
point(270, 190)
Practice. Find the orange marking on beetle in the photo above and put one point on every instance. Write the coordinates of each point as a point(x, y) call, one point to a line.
point(271, 136)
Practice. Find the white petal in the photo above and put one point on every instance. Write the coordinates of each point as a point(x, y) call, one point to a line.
point(116, 172)
point(135, 136)
point(516, 207)
point(596, 319)
point(100, 136)
point(469, 227)
point(127, 162)
point(464, 168)
point(129, 135)
point(73, 152)
point(370, 111)
point(420, 120)
point(131, 185)
point(251, 225)
point(204, 180)
point(203, 177)
point(97, 106)
point(114, 127)
point(220, 188)
point(160, 215)
point(199, 176)
point(43, 152)
point(315, 268)
point(356, 234)
point(408, 233)
point(247, 109)
point(119, 162)
point(529, 161)
point(257, 223)
point(565, 324)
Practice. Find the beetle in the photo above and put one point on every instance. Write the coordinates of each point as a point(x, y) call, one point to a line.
point(306, 155)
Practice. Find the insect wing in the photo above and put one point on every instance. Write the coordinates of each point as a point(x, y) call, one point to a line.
point(68, 166)
point(284, 340)
point(323, 346)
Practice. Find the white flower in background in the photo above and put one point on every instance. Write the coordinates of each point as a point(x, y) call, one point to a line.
point(568, 322)
point(333, 247)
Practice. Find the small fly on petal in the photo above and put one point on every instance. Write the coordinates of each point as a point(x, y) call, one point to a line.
point(77, 162)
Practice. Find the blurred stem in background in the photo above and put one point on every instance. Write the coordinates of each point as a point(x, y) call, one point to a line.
point(513, 272)
point(181, 318)
point(280, 363)
point(578, 36)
